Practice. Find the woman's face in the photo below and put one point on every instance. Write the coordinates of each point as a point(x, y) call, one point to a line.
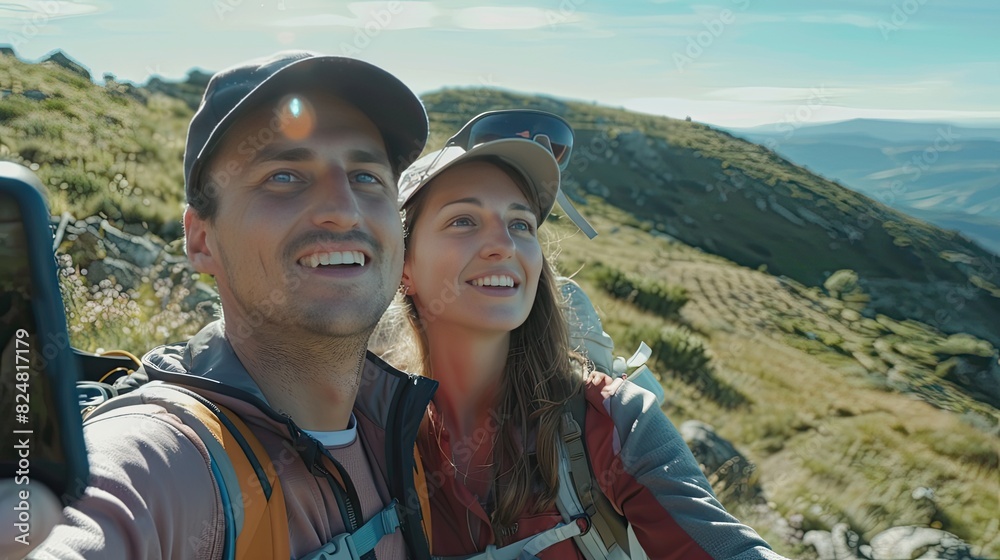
point(474, 258)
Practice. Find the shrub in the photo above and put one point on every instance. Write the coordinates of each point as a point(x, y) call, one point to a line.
point(674, 348)
point(841, 282)
point(665, 300)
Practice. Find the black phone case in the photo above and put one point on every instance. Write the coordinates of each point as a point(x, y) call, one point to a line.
point(62, 372)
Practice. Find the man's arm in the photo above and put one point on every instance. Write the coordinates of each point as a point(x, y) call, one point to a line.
point(151, 493)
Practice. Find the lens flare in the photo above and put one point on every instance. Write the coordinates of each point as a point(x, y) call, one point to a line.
point(297, 117)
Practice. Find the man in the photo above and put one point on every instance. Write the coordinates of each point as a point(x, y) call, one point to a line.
point(290, 176)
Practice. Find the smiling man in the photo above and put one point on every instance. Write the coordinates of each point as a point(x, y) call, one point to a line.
point(290, 166)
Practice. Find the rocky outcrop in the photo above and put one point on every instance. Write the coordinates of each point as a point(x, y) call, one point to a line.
point(101, 251)
point(918, 542)
point(60, 58)
point(909, 542)
point(729, 471)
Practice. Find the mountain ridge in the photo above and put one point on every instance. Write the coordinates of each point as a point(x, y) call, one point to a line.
point(947, 174)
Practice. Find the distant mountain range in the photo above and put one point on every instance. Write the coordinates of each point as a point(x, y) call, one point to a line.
point(948, 175)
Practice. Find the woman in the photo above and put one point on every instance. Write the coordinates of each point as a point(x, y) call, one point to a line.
point(484, 312)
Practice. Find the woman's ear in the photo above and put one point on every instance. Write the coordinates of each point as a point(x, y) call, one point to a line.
point(197, 242)
point(408, 288)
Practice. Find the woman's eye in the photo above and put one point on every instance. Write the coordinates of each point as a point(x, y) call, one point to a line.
point(462, 222)
point(522, 225)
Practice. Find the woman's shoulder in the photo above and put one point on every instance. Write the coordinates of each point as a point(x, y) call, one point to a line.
point(617, 398)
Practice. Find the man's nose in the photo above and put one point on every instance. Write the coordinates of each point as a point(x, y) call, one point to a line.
point(336, 204)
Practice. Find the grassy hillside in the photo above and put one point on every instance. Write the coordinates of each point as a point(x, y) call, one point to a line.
point(836, 342)
point(833, 441)
point(114, 151)
point(741, 201)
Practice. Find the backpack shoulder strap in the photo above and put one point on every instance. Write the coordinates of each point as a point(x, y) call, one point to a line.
point(610, 527)
point(420, 482)
point(252, 500)
point(587, 336)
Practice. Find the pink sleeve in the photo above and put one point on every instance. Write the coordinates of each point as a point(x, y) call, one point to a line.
point(151, 493)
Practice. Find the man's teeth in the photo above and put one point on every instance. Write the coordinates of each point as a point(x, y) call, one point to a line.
point(503, 281)
point(334, 257)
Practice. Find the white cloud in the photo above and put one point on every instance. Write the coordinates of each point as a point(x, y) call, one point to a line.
point(778, 94)
point(856, 20)
point(18, 12)
point(385, 15)
point(747, 113)
point(497, 17)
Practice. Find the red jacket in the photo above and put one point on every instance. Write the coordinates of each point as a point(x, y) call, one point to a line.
point(642, 465)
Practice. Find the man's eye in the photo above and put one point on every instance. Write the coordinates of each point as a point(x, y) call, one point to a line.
point(368, 178)
point(283, 177)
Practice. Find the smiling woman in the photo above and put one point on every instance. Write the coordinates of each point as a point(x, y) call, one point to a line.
point(485, 321)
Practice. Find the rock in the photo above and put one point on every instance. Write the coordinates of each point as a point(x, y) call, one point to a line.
point(136, 250)
point(200, 296)
point(822, 541)
point(124, 273)
point(839, 544)
point(980, 377)
point(728, 470)
point(919, 543)
point(35, 95)
point(845, 542)
point(60, 58)
point(785, 213)
point(85, 246)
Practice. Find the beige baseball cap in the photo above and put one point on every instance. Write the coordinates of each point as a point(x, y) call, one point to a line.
point(534, 161)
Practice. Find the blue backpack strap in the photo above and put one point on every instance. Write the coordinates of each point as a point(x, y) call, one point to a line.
point(353, 546)
point(528, 547)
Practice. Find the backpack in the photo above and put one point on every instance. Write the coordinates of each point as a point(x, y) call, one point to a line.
point(611, 536)
point(253, 503)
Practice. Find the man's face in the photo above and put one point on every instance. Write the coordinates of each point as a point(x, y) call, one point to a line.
point(307, 237)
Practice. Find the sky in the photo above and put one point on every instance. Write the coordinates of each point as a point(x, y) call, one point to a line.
point(730, 63)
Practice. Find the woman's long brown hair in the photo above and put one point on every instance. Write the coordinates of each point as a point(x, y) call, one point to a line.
point(540, 375)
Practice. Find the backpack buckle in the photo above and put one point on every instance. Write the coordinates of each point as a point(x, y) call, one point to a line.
point(587, 524)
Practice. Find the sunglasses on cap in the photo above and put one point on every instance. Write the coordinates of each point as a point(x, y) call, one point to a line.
point(549, 130)
point(552, 131)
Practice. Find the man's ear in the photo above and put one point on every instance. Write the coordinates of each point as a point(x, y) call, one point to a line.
point(198, 242)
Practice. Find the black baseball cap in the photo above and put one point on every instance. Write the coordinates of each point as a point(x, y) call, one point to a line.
point(396, 111)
